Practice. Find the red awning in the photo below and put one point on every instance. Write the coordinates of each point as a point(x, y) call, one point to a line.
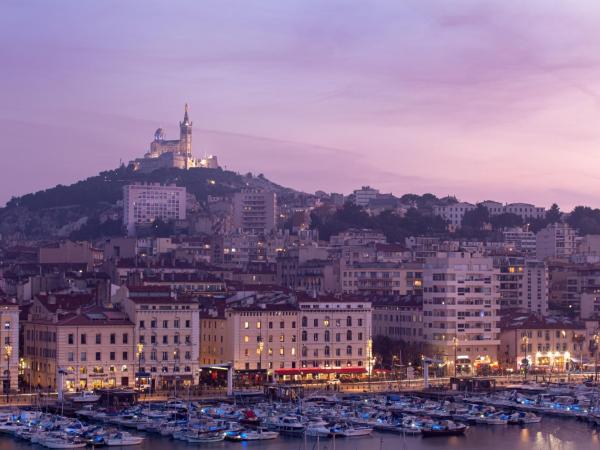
point(317, 370)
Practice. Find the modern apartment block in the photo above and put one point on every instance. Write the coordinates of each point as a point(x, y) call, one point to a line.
point(460, 310)
point(254, 211)
point(557, 240)
point(144, 203)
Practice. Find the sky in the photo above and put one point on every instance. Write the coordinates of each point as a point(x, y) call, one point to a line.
point(482, 100)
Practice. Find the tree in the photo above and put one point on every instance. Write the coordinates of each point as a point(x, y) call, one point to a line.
point(553, 215)
point(506, 220)
point(476, 218)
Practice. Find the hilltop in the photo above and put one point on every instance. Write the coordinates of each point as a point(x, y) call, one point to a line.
point(61, 210)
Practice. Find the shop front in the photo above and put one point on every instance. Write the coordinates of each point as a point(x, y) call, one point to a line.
point(320, 374)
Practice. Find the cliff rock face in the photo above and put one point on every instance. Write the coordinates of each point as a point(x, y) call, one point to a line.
point(96, 203)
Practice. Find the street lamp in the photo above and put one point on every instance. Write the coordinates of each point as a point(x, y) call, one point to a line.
point(455, 341)
point(140, 349)
point(261, 346)
point(7, 352)
point(525, 344)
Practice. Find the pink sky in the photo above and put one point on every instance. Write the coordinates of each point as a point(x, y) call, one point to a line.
point(497, 101)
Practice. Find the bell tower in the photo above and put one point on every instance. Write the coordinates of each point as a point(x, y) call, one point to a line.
point(185, 134)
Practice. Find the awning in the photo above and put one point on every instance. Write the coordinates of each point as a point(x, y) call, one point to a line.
point(317, 370)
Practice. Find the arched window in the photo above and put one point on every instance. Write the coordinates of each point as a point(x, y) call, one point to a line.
point(327, 336)
point(304, 321)
point(349, 350)
point(349, 321)
point(349, 335)
point(304, 335)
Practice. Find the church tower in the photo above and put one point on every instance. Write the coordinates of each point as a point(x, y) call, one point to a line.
point(185, 134)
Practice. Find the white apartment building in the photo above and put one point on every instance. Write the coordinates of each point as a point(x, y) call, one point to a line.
point(254, 210)
point(167, 331)
point(460, 310)
point(453, 213)
point(525, 210)
point(520, 240)
point(364, 195)
point(144, 203)
point(557, 240)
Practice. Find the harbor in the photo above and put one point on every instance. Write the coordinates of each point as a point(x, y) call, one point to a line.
point(532, 415)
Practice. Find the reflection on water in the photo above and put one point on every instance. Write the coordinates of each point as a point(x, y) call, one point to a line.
point(550, 434)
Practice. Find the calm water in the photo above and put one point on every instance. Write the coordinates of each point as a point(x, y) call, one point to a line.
point(552, 434)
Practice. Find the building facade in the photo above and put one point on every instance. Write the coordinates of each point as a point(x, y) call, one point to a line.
point(144, 203)
point(460, 310)
point(254, 210)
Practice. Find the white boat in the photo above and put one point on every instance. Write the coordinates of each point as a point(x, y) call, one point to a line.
point(86, 397)
point(61, 442)
point(345, 430)
point(318, 428)
point(123, 438)
point(253, 435)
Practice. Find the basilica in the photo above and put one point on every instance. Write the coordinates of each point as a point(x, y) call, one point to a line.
point(177, 153)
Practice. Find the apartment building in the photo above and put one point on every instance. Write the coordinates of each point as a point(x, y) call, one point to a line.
point(454, 212)
point(548, 343)
point(94, 347)
point(557, 240)
point(460, 310)
point(167, 330)
point(144, 203)
point(335, 338)
point(380, 278)
point(399, 318)
point(254, 211)
point(9, 342)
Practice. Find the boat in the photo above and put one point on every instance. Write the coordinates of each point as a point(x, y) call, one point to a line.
point(123, 438)
point(346, 430)
point(318, 428)
point(86, 397)
point(205, 437)
point(444, 428)
point(61, 441)
point(287, 425)
point(252, 435)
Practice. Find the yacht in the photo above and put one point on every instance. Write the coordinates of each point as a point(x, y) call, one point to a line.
point(123, 438)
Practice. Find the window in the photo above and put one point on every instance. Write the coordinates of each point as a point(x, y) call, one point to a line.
point(71, 339)
point(113, 338)
point(176, 339)
point(349, 350)
point(316, 323)
point(315, 337)
point(98, 339)
point(304, 321)
point(7, 325)
point(304, 335)
point(187, 324)
point(165, 324)
point(142, 325)
point(112, 356)
point(98, 356)
point(165, 339)
point(348, 321)
point(71, 356)
point(83, 356)
point(125, 338)
point(83, 339)
point(349, 335)
point(125, 355)
point(327, 336)
point(282, 324)
point(176, 323)
point(246, 325)
point(165, 356)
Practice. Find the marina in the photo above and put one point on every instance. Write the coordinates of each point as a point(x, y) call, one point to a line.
point(525, 413)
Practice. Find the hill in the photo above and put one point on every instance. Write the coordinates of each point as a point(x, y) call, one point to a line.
point(61, 210)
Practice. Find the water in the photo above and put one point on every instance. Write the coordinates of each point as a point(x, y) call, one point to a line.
point(550, 434)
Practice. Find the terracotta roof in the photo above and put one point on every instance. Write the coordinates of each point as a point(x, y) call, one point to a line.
point(162, 300)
